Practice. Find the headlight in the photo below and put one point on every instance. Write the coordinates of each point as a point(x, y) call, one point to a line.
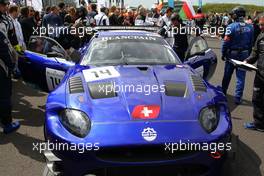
point(76, 122)
point(209, 119)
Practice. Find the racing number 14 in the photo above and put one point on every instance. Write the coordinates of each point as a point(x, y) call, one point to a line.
point(100, 73)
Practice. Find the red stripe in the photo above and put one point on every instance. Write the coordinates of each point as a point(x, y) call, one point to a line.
point(187, 11)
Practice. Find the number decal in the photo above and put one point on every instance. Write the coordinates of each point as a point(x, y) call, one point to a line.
point(96, 74)
point(55, 81)
point(53, 78)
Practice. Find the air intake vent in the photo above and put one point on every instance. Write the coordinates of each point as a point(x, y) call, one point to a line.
point(198, 84)
point(75, 85)
point(143, 68)
point(102, 90)
point(177, 89)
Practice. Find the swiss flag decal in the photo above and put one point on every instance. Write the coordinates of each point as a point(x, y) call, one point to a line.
point(146, 112)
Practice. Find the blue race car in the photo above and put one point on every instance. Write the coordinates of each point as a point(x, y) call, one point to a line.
point(130, 106)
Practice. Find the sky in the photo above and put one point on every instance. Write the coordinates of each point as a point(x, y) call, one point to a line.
point(149, 3)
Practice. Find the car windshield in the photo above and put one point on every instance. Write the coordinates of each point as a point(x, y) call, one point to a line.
point(129, 50)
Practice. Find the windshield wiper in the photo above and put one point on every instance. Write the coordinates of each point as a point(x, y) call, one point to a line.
point(123, 58)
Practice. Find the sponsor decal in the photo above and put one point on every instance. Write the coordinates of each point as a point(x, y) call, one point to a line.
point(149, 134)
point(146, 112)
point(149, 38)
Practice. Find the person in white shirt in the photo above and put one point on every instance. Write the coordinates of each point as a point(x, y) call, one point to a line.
point(165, 19)
point(102, 19)
point(13, 13)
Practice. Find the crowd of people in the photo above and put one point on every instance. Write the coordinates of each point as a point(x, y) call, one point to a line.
point(18, 24)
point(25, 19)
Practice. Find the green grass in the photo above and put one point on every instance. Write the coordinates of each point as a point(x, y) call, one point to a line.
point(222, 8)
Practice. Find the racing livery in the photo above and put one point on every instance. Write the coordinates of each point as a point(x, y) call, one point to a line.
point(130, 100)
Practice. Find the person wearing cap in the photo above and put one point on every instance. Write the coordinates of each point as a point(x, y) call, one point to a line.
point(237, 44)
point(257, 55)
point(6, 67)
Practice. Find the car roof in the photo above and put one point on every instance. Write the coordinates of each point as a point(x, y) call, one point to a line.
point(126, 33)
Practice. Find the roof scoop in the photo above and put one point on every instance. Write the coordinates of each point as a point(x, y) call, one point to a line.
point(143, 68)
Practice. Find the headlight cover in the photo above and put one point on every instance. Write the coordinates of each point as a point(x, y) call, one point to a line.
point(209, 118)
point(76, 122)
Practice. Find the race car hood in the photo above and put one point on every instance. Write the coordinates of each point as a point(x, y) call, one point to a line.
point(177, 91)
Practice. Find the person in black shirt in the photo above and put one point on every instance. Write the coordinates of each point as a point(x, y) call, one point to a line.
point(27, 24)
point(6, 66)
point(113, 19)
point(199, 22)
point(180, 44)
point(256, 28)
point(6, 24)
point(62, 11)
point(257, 55)
point(70, 17)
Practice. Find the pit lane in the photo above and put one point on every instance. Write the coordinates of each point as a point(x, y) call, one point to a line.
point(18, 158)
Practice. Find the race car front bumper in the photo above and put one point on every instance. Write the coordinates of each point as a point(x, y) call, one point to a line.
point(121, 149)
point(198, 163)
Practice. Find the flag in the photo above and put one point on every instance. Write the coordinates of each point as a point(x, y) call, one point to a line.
point(187, 10)
point(146, 112)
